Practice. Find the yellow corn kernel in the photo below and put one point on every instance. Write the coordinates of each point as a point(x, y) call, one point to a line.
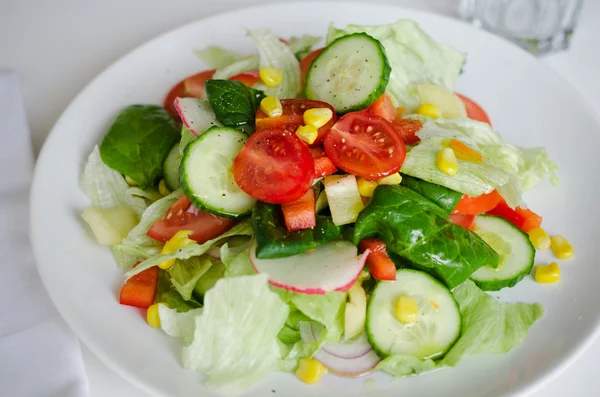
point(152, 316)
point(366, 187)
point(310, 370)
point(271, 76)
point(429, 110)
point(180, 239)
point(539, 238)
point(547, 274)
point(317, 117)
point(130, 181)
point(162, 188)
point(271, 106)
point(561, 248)
point(446, 162)
point(308, 133)
point(394, 179)
point(407, 309)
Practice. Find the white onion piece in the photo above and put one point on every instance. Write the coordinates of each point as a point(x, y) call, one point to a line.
point(353, 367)
point(345, 366)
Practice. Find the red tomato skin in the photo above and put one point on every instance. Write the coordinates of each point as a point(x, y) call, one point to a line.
point(466, 221)
point(365, 145)
point(474, 111)
point(407, 128)
point(140, 290)
point(274, 166)
point(379, 263)
point(477, 205)
point(248, 78)
point(384, 108)
point(524, 219)
point(293, 117)
point(305, 63)
point(184, 216)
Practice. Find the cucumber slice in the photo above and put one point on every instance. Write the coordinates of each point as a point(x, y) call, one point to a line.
point(350, 73)
point(516, 253)
point(206, 173)
point(171, 167)
point(438, 323)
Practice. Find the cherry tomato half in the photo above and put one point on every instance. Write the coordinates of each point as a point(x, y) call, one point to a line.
point(274, 166)
point(365, 145)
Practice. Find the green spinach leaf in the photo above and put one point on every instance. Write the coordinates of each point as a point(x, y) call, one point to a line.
point(442, 196)
point(138, 142)
point(420, 232)
point(234, 104)
point(274, 241)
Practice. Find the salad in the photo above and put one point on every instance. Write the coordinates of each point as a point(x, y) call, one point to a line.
point(336, 210)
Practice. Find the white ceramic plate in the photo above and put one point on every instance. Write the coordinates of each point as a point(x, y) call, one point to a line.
point(528, 103)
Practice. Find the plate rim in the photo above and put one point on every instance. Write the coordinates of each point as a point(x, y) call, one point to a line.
point(534, 385)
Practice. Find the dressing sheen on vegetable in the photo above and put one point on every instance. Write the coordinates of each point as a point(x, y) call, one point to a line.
point(421, 233)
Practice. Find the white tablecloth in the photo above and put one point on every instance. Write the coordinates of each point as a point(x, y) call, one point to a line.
point(59, 46)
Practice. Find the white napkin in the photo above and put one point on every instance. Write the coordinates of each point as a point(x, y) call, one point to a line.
point(39, 355)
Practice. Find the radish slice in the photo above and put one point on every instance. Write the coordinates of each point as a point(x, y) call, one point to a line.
point(352, 363)
point(330, 267)
point(195, 114)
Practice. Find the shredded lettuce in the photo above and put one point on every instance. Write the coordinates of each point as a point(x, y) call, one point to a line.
point(179, 325)
point(106, 188)
point(472, 178)
point(236, 263)
point(275, 54)
point(302, 46)
point(240, 66)
point(185, 273)
point(217, 57)
point(243, 228)
point(489, 327)
point(235, 338)
point(137, 245)
point(187, 136)
point(150, 195)
point(414, 56)
point(508, 168)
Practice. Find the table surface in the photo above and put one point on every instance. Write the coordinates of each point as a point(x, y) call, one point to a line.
point(59, 46)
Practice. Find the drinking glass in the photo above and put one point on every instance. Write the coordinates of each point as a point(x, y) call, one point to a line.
point(539, 26)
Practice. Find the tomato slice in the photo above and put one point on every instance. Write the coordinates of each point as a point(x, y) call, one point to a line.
point(466, 221)
point(407, 128)
point(184, 216)
point(477, 205)
point(274, 166)
point(305, 63)
point(293, 116)
point(178, 91)
point(365, 145)
point(474, 111)
point(524, 219)
point(384, 108)
point(194, 85)
point(140, 290)
point(248, 78)
point(379, 263)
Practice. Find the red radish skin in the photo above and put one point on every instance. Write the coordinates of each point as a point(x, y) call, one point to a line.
point(314, 280)
point(184, 108)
